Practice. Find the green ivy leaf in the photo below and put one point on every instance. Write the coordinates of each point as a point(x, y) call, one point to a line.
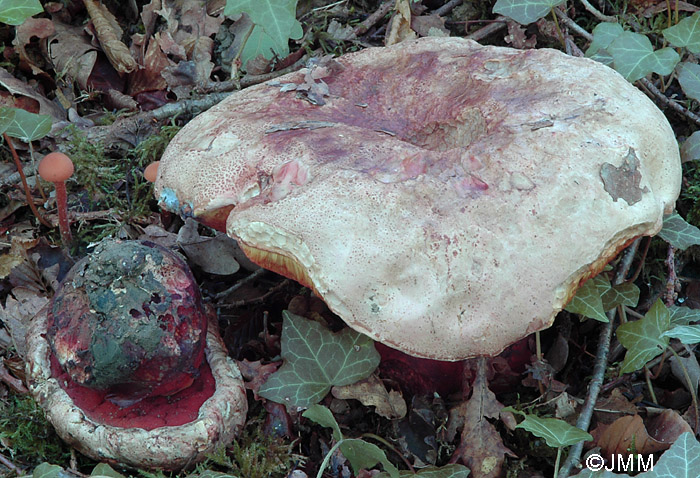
point(603, 35)
point(275, 23)
point(316, 359)
point(15, 12)
point(683, 315)
point(28, 126)
point(360, 454)
point(447, 471)
point(47, 470)
point(364, 456)
point(622, 294)
point(685, 33)
point(690, 150)
point(588, 299)
point(634, 57)
point(679, 233)
point(688, 334)
point(324, 417)
point(555, 432)
point(689, 78)
point(525, 11)
point(644, 339)
point(106, 471)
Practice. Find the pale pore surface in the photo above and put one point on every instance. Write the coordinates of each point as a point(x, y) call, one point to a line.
point(447, 198)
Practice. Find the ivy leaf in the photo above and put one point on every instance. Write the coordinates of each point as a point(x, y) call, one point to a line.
point(316, 359)
point(603, 35)
point(679, 233)
point(689, 78)
point(364, 456)
point(685, 33)
point(688, 334)
point(690, 150)
point(622, 294)
point(447, 471)
point(324, 417)
point(28, 126)
point(15, 12)
point(634, 57)
point(644, 339)
point(683, 315)
point(555, 432)
point(47, 470)
point(360, 454)
point(275, 23)
point(525, 11)
point(588, 299)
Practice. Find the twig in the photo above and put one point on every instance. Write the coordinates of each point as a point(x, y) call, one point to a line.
point(447, 8)
point(665, 101)
point(257, 300)
point(597, 13)
point(374, 18)
point(498, 24)
point(672, 279)
point(9, 464)
point(601, 363)
point(254, 275)
point(27, 192)
point(648, 85)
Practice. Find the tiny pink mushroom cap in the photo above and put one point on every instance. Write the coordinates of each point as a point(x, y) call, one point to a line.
point(56, 167)
point(151, 172)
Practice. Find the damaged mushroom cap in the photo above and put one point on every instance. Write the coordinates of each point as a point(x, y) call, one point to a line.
point(121, 374)
point(442, 197)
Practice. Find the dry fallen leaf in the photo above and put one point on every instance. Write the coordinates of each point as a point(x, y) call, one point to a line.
point(399, 28)
point(109, 34)
point(624, 433)
point(668, 426)
point(372, 392)
point(481, 448)
point(214, 255)
point(40, 28)
point(17, 314)
point(255, 373)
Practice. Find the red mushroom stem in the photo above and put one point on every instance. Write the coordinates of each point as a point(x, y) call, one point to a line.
point(62, 205)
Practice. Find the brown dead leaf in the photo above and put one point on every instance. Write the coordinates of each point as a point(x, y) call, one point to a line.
point(399, 28)
point(153, 62)
point(72, 54)
point(429, 26)
point(372, 392)
point(109, 34)
point(668, 426)
point(17, 314)
point(609, 408)
point(481, 448)
point(619, 437)
point(40, 28)
point(214, 255)
point(13, 382)
point(517, 37)
point(19, 87)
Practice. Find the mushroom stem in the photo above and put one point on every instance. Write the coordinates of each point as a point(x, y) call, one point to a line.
point(62, 205)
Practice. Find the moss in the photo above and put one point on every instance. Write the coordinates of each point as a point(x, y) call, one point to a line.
point(26, 434)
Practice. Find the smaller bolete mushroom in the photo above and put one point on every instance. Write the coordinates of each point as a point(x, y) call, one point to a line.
point(128, 364)
point(151, 172)
point(56, 168)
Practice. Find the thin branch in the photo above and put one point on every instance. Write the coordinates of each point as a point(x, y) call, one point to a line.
point(597, 13)
point(27, 192)
point(498, 24)
point(374, 18)
point(447, 8)
point(601, 364)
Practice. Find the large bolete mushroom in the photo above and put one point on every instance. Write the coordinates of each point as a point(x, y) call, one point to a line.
point(124, 365)
point(443, 197)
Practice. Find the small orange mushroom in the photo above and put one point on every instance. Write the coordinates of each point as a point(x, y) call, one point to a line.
point(57, 168)
point(151, 172)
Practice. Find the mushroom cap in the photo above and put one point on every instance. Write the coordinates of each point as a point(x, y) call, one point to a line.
point(443, 197)
point(128, 319)
point(55, 167)
point(151, 172)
